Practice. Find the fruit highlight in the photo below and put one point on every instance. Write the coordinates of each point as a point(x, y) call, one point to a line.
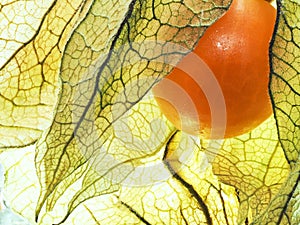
point(235, 50)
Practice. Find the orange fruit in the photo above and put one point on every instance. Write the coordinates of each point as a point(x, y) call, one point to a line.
point(235, 52)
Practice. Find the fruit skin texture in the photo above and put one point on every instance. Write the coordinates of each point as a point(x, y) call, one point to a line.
point(236, 49)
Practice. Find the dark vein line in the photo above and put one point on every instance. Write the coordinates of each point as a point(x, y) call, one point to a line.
point(92, 214)
point(272, 42)
point(183, 217)
point(63, 220)
point(20, 127)
point(193, 192)
point(246, 221)
point(96, 180)
point(33, 37)
point(287, 116)
point(116, 37)
point(8, 4)
point(293, 64)
point(135, 213)
point(286, 21)
point(288, 218)
point(19, 146)
point(168, 143)
point(278, 13)
point(287, 83)
point(290, 195)
point(224, 206)
point(130, 10)
point(188, 186)
point(237, 192)
point(153, 10)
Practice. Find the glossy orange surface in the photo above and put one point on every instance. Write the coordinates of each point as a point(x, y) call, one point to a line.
point(235, 49)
